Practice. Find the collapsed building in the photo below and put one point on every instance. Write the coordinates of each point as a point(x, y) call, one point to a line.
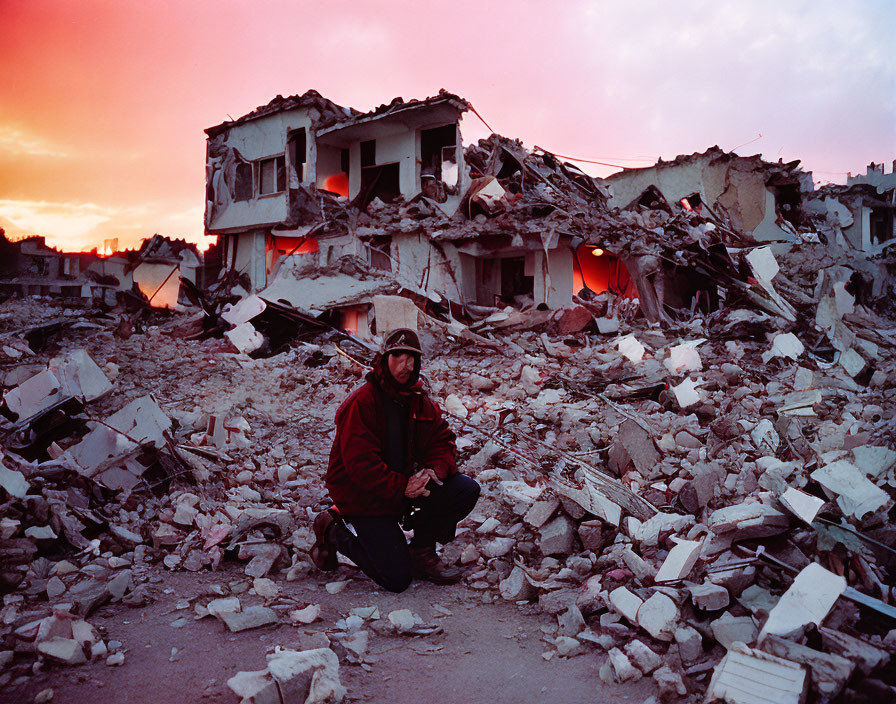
point(684, 435)
point(30, 268)
point(395, 189)
point(320, 208)
point(863, 211)
point(155, 272)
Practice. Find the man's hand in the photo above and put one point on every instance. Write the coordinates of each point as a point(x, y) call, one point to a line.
point(417, 483)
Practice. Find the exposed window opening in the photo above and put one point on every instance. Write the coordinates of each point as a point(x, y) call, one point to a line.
point(332, 169)
point(296, 147)
point(787, 202)
point(650, 199)
point(438, 152)
point(380, 255)
point(691, 202)
point(881, 225)
point(514, 281)
point(279, 246)
point(502, 281)
point(380, 182)
point(597, 270)
point(272, 175)
point(509, 166)
point(368, 153)
point(337, 184)
point(243, 188)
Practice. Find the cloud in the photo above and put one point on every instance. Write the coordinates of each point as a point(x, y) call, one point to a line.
point(76, 226)
point(19, 142)
point(65, 222)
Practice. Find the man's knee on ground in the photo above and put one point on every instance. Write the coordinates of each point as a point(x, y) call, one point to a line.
point(466, 489)
point(396, 583)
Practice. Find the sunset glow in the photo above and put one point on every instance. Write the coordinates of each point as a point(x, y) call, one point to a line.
point(103, 104)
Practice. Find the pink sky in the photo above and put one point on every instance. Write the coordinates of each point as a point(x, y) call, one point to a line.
point(103, 103)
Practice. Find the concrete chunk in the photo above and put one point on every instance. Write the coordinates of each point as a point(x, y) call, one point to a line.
point(244, 310)
point(516, 586)
point(729, 630)
point(687, 393)
point(622, 666)
point(219, 607)
point(13, 482)
point(749, 520)
point(557, 537)
point(648, 532)
point(571, 622)
point(680, 561)
point(310, 676)
point(747, 676)
point(245, 338)
point(638, 445)
point(139, 423)
point(659, 616)
point(65, 650)
point(829, 673)
point(802, 505)
point(690, 643)
point(856, 494)
point(540, 512)
point(709, 596)
point(252, 617)
point(645, 659)
point(255, 687)
point(626, 603)
point(630, 348)
point(684, 358)
point(807, 601)
point(866, 656)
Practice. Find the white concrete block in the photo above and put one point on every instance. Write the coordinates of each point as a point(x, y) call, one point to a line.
point(659, 616)
point(857, 496)
point(802, 505)
point(747, 676)
point(807, 601)
point(626, 603)
point(680, 561)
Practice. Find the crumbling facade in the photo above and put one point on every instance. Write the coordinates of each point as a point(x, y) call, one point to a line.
point(300, 186)
point(863, 211)
point(153, 273)
point(395, 190)
point(751, 195)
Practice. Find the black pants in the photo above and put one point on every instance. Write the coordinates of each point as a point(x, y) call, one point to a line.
point(380, 549)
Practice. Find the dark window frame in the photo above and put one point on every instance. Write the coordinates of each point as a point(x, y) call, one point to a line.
point(244, 188)
point(279, 175)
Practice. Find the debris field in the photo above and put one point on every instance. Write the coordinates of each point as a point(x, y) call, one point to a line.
point(694, 494)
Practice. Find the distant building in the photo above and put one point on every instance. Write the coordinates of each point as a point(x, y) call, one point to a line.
point(864, 210)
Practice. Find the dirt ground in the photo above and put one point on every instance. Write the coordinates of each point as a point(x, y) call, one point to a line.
point(487, 652)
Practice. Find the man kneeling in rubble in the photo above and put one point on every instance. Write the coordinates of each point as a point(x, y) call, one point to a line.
point(393, 464)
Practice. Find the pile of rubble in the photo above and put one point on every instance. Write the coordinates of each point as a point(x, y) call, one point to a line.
point(703, 492)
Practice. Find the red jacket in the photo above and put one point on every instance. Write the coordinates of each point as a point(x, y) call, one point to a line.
point(358, 479)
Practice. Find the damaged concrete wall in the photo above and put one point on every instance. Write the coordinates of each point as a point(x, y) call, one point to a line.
point(554, 277)
point(427, 269)
point(250, 142)
point(401, 148)
point(246, 251)
point(735, 187)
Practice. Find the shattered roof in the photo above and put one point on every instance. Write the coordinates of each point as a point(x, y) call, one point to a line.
point(870, 194)
point(333, 116)
point(714, 153)
point(329, 111)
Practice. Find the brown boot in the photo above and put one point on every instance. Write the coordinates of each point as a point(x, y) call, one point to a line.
point(425, 564)
point(323, 552)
